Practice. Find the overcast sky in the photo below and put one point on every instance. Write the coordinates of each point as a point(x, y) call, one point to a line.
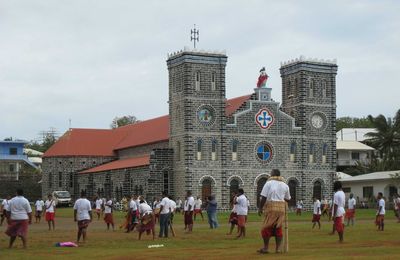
point(90, 61)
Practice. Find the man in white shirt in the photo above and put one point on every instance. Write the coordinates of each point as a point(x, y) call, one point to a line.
point(188, 211)
point(108, 213)
point(4, 209)
point(274, 197)
point(20, 215)
point(173, 207)
point(396, 203)
point(241, 210)
point(50, 208)
point(146, 219)
point(133, 217)
point(82, 215)
point(316, 213)
point(339, 201)
point(39, 204)
point(178, 205)
point(380, 213)
point(165, 211)
point(351, 209)
point(99, 204)
point(197, 208)
point(299, 207)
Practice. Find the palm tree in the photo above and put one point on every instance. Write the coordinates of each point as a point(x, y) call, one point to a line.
point(386, 139)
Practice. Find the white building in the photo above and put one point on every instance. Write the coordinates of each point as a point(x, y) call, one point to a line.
point(351, 153)
point(367, 186)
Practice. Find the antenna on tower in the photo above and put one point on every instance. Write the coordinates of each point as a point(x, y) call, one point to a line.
point(194, 36)
point(70, 121)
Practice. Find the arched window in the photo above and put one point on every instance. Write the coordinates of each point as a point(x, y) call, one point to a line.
point(71, 180)
point(140, 190)
point(166, 181)
point(205, 189)
point(293, 192)
point(214, 150)
point(317, 190)
point(199, 149)
point(324, 152)
point(197, 81)
point(293, 150)
point(311, 88)
point(233, 189)
point(60, 179)
point(324, 94)
point(235, 144)
point(294, 90)
point(260, 186)
point(136, 191)
point(311, 153)
point(213, 81)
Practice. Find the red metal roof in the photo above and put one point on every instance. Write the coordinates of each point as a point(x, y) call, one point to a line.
point(120, 164)
point(104, 142)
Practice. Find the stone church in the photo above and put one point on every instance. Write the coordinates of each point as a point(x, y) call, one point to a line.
point(208, 144)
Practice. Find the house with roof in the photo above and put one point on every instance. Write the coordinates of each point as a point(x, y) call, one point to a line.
point(367, 186)
point(13, 159)
point(208, 144)
point(351, 153)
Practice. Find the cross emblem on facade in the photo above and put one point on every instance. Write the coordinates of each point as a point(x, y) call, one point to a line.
point(264, 118)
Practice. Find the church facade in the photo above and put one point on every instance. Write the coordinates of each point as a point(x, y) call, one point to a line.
point(208, 144)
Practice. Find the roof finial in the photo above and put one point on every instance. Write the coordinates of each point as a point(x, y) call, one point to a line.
point(194, 36)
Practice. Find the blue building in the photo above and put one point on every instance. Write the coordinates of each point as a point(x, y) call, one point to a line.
point(12, 159)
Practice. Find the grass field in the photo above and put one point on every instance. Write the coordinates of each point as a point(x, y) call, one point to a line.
point(361, 241)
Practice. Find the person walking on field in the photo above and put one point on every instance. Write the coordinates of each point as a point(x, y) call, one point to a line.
point(241, 210)
point(20, 214)
point(108, 214)
point(50, 211)
point(188, 212)
point(380, 213)
point(82, 215)
point(338, 209)
point(396, 203)
point(316, 213)
point(197, 208)
point(39, 204)
point(4, 209)
point(165, 212)
point(212, 211)
point(351, 210)
point(99, 204)
point(274, 197)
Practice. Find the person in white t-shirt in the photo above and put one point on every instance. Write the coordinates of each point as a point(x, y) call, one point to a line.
point(197, 208)
point(39, 204)
point(233, 216)
point(146, 223)
point(241, 210)
point(380, 213)
point(188, 211)
point(4, 209)
point(165, 212)
point(178, 206)
point(133, 217)
point(82, 215)
point(173, 207)
point(108, 213)
point(274, 197)
point(351, 209)
point(99, 204)
point(20, 215)
point(396, 203)
point(50, 208)
point(316, 213)
point(339, 201)
point(299, 207)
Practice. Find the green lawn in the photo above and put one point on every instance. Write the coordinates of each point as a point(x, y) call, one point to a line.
point(361, 241)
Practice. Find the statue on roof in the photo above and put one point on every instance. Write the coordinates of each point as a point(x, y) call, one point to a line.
point(262, 79)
